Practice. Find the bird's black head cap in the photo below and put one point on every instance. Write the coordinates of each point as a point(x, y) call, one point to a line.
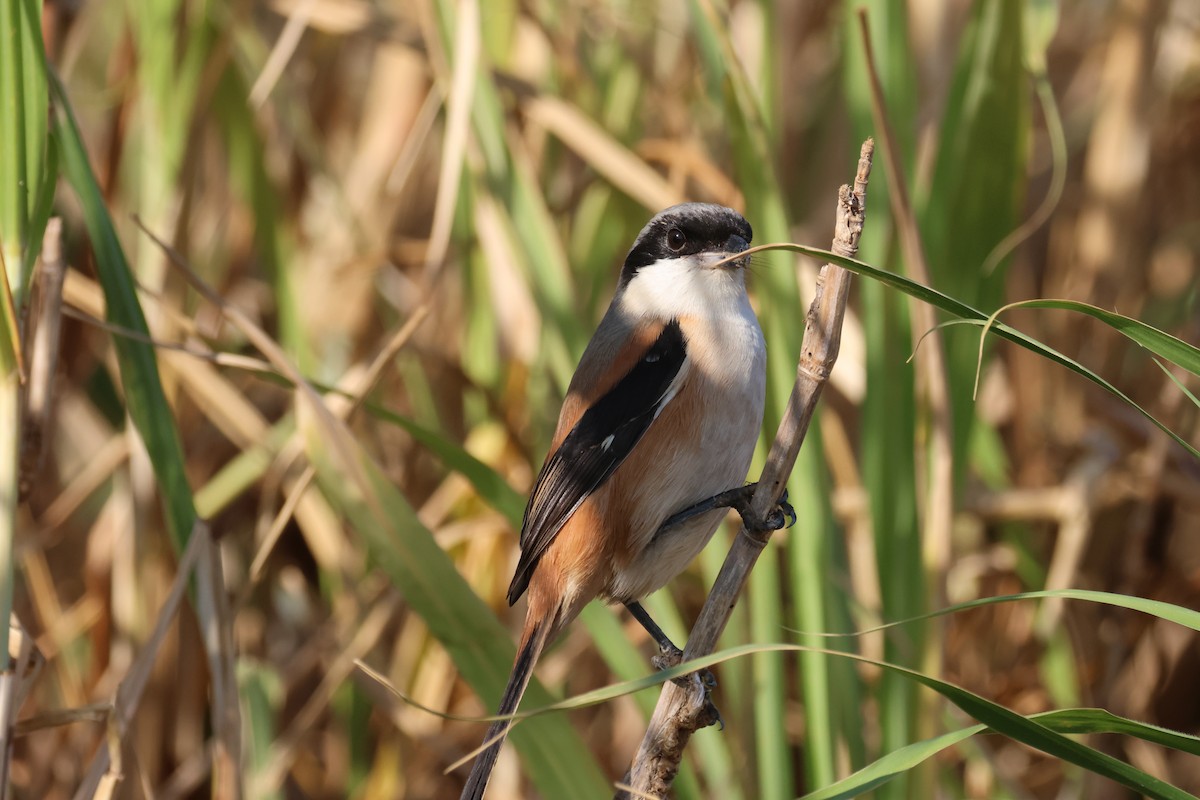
point(684, 230)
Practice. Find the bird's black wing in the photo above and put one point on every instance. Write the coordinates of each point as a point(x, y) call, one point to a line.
point(603, 437)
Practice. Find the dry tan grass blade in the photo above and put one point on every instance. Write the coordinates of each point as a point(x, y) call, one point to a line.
point(224, 405)
point(341, 443)
point(100, 779)
point(216, 621)
point(358, 385)
point(616, 163)
point(350, 649)
point(25, 664)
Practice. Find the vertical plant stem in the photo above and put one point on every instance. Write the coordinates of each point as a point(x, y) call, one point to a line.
point(810, 563)
point(10, 441)
point(16, 125)
point(43, 356)
point(888, 427)
point(764, 593)
point(935, 473)
point(13, 219)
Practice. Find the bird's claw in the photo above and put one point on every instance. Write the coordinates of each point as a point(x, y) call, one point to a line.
point(669, 657)
point(783, 515)
point(711, 715)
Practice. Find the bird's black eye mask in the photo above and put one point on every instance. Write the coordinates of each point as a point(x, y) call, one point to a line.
point(683, 231)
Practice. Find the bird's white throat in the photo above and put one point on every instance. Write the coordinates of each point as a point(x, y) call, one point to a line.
point(688, 286)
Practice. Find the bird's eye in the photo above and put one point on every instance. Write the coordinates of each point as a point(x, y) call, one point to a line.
point(675, 239)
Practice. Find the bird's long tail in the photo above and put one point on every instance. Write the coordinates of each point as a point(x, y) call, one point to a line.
point(532, 642)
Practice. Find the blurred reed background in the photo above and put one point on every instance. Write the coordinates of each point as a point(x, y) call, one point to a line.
point(338, 169)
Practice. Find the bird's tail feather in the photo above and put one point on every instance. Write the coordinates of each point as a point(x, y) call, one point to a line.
point(527, 656)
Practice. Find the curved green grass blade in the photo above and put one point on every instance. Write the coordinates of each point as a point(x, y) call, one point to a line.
point(977, 185)
point(1067, 721)
point(1161, 343)
point(1041, 737)
point(1188, 392)
point(1039, 732)
point(1185, 617)
point(1040, 23)
point(1170, 612)
point(892, 765)
point(1098, 720)
point(1048, 728)
point(144, 397)
point(969, 314)
point(1057, 136)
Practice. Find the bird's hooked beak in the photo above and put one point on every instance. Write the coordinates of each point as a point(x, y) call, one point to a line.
point(728, 259)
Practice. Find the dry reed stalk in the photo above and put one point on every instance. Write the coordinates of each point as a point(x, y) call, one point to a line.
point(468, 45)
point(934, 464)
point(620, 166)
point(359, 385)
point(938, 479)
point(43, 360)
point(336, 669)
point(684, 709)
point(102, 776)
point(216, 618)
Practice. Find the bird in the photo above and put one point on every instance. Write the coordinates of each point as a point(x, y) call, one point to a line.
point(659, 423)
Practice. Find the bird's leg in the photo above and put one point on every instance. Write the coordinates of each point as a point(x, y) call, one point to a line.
point(737, 498)
point(670, 656)
point(783, 515)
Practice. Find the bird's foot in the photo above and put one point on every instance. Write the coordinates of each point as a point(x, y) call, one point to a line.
point(671, 657)
point(667, 658)
point(782, 516)
point(711, 715)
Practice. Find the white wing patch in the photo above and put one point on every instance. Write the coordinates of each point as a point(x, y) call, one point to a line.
point(673, 389)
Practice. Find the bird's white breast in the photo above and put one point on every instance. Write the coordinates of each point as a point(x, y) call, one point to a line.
point(705, 438)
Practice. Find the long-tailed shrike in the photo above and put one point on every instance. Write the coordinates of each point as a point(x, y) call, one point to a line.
point(663, 412)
